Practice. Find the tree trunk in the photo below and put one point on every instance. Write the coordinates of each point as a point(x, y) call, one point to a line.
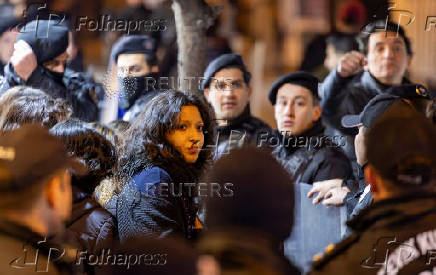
point(192, 18)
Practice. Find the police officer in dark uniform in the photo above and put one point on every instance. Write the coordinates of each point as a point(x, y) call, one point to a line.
point(395, 235)
point(299, 143)
point(137, 71)
point(39, 61)
point(226, 86)
point(35, 201)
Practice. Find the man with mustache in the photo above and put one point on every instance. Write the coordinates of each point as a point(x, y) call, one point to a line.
point(385, 54)
point(226, 86)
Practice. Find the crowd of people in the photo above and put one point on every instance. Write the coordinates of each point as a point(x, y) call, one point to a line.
point(186, 183)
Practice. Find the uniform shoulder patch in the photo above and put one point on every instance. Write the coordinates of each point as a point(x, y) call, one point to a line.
point(333, 250)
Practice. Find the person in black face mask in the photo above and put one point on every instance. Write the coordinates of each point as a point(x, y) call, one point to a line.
point(39, 61)
point(135, 57)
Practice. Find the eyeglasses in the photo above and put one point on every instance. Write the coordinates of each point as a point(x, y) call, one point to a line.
point(224, 85)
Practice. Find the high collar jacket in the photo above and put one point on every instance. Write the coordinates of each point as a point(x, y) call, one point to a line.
point(393, 236)
point(311, 156)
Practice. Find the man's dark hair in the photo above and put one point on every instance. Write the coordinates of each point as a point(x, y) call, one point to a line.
point(23, 105)
point(381, 26)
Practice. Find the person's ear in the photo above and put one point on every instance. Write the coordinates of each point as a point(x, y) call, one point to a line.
point(317, 112)
point(206, 94)
point(249, 91)
point(372, 179)
point(154, 69)
point(51, 191)
point(365, 64)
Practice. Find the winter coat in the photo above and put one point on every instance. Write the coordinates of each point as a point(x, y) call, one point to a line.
point(347, 96)
point(393, 236)
point(153, 204)
point(22, 248)
point(77, 89)
point(243, 130)
point(311, 156)
point(94, 228)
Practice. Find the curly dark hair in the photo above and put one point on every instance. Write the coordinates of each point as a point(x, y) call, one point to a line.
point(85, 142)
point(24, 105)
point(146, 143)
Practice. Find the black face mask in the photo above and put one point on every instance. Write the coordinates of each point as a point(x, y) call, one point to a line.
point(132, 88)
point(57, 77)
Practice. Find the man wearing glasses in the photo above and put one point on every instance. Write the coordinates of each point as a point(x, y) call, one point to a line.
point(226, 86)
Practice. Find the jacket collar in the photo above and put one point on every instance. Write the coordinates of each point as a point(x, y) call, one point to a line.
point(370, 83)
point(243, 117)
point(316, 130)
point(394, 210)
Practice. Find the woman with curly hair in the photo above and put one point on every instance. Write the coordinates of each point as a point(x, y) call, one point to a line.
point(160, 163)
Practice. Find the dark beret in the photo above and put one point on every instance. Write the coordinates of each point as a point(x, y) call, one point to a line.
point(299, 78)
point(133, 44)
point(222, 62)
point(47, 38)
point(7, 19)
